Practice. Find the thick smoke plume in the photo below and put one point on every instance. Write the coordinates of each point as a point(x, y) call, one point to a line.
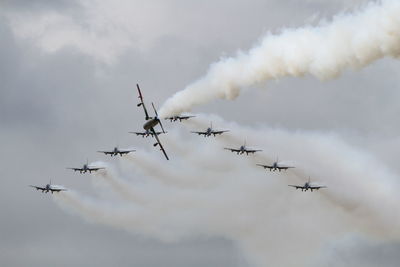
point(349, 41)
point(217, 193)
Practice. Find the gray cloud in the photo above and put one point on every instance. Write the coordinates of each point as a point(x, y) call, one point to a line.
point(57, 108)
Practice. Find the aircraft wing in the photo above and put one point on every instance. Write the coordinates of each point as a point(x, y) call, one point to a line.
point(94, 169)
point(284, 167)
point(106, 152)
point(139, 133)
point(252, 150)
point(57, 189)
point(125, 151)
point(142, 103)
point(297, 186)
point(218, 132)
point(75, 169)
point(181, 118)
point(159, 143)
point(317, 187)
point(38, 187)
point(265, 166)
point(200, 133)
point(232, 149)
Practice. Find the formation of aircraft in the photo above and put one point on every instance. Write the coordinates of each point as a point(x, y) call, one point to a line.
point(116, 152)
point(180, 118)
point(151, 122)
point(146, 133)
point(307, 186)
point(49, 188)
point(243, 149)
point(86, 168)
point(209, 131)
point(275, 166)
point(149, 131)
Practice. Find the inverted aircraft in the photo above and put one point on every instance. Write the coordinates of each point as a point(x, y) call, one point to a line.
point(243, 149)
point(151, 122)
point(49, 188)
point(308, 186)
point(210, 132)
point(116, 151)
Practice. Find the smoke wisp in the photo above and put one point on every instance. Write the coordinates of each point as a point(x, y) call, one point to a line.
point(351, 40)
point(248, 205)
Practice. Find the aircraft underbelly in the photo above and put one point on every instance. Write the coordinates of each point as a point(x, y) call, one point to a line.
point(150, 124)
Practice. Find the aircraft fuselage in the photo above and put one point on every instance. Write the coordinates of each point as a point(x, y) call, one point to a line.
point(150, 124)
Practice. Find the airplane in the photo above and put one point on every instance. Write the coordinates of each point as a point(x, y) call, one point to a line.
point(242, 149)
point(116, 152)
point(210, 132)
point(275, 166)
point(307, 186)
point(146, 133)
point(151, 122)
point(86, 168)
point(49, 188)
point(180, 118)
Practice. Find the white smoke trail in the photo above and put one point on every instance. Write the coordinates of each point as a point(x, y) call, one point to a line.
point(120, 186)
point(349, 41)
point(255, 208)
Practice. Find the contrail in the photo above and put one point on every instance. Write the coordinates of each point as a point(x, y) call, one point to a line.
point(352, 40)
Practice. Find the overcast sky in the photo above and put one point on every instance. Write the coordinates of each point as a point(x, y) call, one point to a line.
point(68, 71)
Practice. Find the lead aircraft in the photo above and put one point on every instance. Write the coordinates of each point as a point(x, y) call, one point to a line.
point(151, 122)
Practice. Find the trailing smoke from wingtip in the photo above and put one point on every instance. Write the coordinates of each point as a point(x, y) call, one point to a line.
point(351, 40)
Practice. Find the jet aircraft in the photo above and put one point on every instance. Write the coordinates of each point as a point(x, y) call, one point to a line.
point(146, 133)
point(242, 149)
point(308, 186)
point(180, 118)
point(275, 166)
point(86, 168)
point(116, 152)
point(210, 132)
point(151, 122)
point(49, 188)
